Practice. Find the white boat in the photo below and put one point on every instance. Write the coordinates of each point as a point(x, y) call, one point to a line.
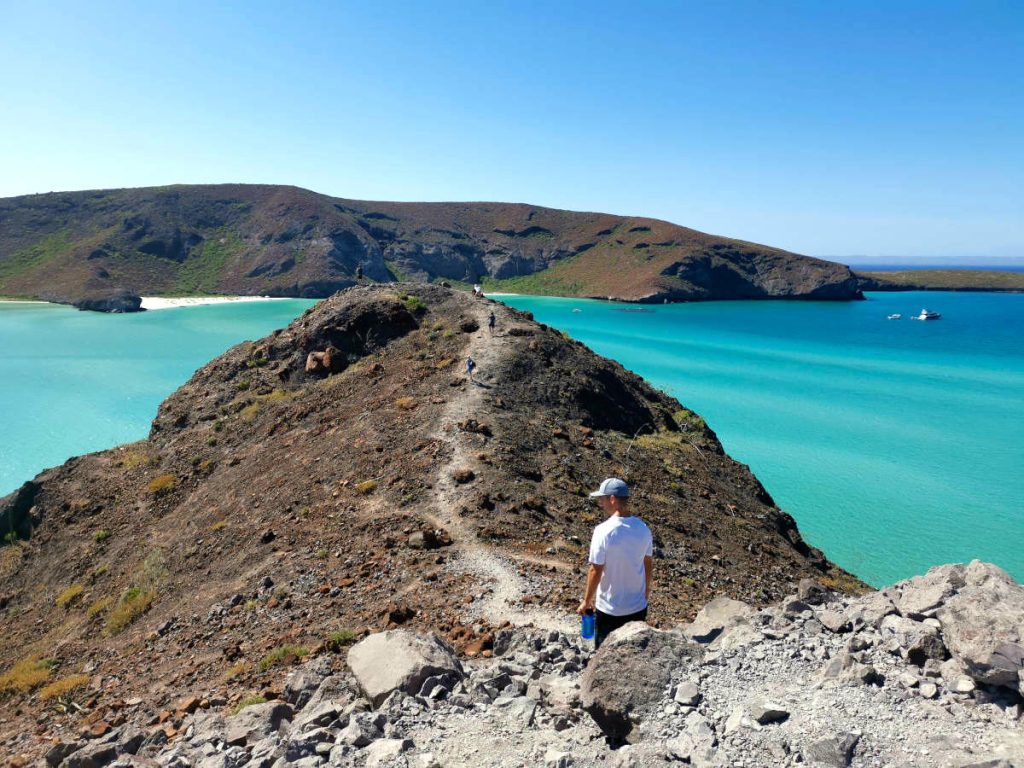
point(927, 315)
point(897, 316)
point(577, 310)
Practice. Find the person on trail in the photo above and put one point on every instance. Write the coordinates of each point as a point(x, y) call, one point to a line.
point(619, 578)
point(470, 367)
point(490, 323)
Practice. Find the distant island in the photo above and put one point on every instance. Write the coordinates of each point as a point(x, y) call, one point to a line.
point(942, 280)
point(103, 249)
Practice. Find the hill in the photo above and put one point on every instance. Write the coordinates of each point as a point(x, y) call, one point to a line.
point(99, 248)
point(991, 280)
point(341, 475)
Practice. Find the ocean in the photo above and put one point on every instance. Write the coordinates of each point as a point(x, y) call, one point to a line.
point(73, 382)
point(896, 445)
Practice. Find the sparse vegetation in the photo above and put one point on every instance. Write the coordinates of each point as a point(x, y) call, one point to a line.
point(282, 656)
point(405, 403)
point(415, 305)
point(235, 670)
point(337, 640)
point(69, 595)
point(161, 485)
point(100, 536)
point(63, 687)
point(98, 606)
point(218, 526)
point(248, 701)
point(25, 675)
point(366, 487)
point(133, 604)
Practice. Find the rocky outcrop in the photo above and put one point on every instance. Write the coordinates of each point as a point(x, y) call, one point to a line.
point(115, 301)
point(546, 699)
point(400, 661)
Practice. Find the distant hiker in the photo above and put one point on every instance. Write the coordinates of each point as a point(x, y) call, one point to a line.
point(490, 323)
point(359, 272)
point(619, 579)
point(470, 367)
point(476, 290)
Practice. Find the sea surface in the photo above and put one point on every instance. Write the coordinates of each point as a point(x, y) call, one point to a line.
point(73, 382)
point(896, 444)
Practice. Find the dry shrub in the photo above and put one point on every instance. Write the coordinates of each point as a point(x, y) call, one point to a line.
point(69, 595)
point(29, 673)
point(98, 607)
point(134, 603)
point(161, 485)
point(63, 687)
point(405, 403)
point(366, 487)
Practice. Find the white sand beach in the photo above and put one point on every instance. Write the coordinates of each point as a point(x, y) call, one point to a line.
point(161, 302)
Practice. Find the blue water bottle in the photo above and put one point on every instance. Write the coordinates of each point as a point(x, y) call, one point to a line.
point(587, 625)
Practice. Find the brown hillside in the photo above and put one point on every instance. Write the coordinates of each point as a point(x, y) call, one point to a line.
point(281, 498)
point(255, 239)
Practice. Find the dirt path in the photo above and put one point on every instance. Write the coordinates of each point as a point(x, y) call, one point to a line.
point(499, 572)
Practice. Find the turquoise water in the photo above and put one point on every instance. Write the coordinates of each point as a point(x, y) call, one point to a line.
point(896, 445)
point(73, 382)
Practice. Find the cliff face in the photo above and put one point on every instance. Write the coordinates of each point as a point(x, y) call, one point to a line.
point(342, 473)
point(251, 239)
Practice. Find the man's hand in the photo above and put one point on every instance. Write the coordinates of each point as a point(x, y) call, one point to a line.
point(585, 605)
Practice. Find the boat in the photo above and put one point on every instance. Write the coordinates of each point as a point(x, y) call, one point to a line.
point(577, 310)
point(927, 314)
point(896, 316)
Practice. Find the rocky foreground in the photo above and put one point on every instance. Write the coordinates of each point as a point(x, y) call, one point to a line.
point(925, 673)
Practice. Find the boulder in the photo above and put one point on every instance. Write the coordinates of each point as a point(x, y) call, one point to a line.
point(696, 743)
point(921, 596)
point(845, 669)
point(384, 752)
point(626, 678)
point(983, 624)
point(814, 592)
point(917, 640)
point(836, 751)
point(399, 660)
point(362, 729)
point(834, 621)
point(256, 722)
point(110, 301)
point(719, 618)
point(91, 756)
point(869, 610)
point(301, 684)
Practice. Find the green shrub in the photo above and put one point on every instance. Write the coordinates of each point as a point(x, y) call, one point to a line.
point(282, 655)
point(337, 640)
point(100, 536)
point(248, 701)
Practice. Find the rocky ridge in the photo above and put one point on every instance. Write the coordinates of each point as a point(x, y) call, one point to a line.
point(87, 247)
point(919, 674)
point(342, 477)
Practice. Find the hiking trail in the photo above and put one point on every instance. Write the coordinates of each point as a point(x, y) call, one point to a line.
point(499, 572)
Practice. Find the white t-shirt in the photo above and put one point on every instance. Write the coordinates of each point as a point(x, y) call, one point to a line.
point(620, 545)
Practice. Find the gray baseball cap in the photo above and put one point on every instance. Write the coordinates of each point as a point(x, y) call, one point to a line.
point(612, 487)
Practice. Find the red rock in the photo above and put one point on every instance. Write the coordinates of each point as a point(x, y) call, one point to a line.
point(102, 728)
point(188, 705)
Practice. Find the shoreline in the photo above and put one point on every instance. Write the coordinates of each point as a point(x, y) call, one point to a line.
point(153, 303)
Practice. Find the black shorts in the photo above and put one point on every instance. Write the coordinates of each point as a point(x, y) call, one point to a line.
point(605, 624)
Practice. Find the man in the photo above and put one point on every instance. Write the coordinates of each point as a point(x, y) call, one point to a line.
point(619, 579)
point(490, 323)
point(470, 367)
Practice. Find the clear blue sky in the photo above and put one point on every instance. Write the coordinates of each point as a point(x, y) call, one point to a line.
point(829, 128)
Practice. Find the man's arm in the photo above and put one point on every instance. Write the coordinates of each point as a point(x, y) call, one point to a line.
point(593, 579)
point(648, 570)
